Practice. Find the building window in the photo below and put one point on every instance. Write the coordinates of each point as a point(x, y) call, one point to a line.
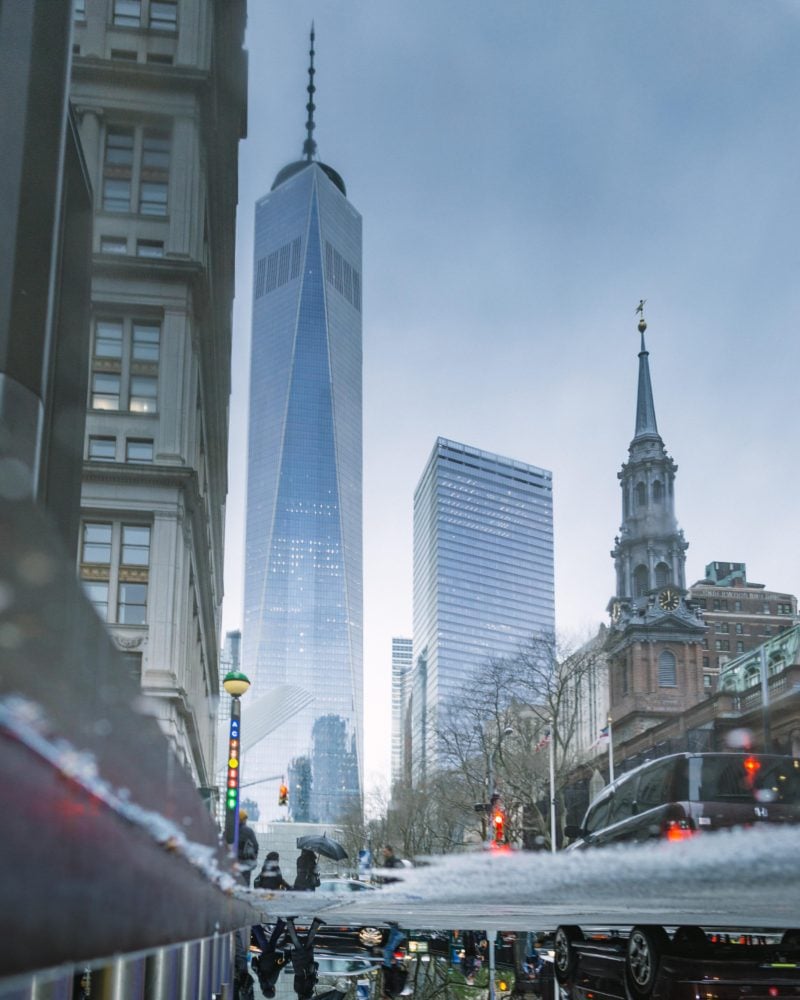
point(723, 627)
point(640, 581)
point(705, 643)
point(624, 673)
point(662, 574)
point(667, 669)
point(722, 645)
point(105, 391)
point(97, 592)
point(149, 248)
point(113, 244)
point(115, 560)
point(658, 491)
point(125, 364)
point(136, 161)
point(705, 663)
point(127, 13)
point(118, 170)
point(164, 15)
point(784, 609)
point(737, 605)
point(641, 494)
point(739, 646)
point(155, 172)
point(102, 449)
point(132, 604)
point(708, 682)
point(138, 450)
point(126, 55)
point(701, 603)
point(79, 10)
point(739, 628)
point(96, 545)
point(160, 58)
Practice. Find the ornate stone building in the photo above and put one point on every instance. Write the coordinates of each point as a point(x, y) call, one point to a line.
point(655, 639)
point(160, 93)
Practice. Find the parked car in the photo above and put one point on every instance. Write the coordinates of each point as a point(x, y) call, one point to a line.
point(684, 794)
point(686, 966)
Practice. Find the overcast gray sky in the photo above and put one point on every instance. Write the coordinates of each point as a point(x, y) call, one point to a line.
point(527, 170)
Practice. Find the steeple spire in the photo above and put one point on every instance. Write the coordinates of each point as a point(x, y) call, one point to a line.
point(645, 407)
point(310, 146)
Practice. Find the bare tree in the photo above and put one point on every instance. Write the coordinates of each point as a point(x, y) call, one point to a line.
point(535, 694)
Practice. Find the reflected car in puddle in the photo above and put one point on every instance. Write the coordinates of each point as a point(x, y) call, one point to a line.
point(688, 964)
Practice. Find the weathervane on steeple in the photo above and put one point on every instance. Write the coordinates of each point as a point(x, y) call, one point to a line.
point(640, 312)
point(309, 146)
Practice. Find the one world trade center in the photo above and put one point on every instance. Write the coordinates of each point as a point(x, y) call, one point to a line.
point(303, 603)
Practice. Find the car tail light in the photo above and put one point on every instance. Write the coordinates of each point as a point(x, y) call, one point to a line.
point(774, 991)
point(678, 829)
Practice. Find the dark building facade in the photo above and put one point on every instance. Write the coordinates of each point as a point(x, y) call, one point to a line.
point(45, 218)
point(655, 639)
point(740, 615)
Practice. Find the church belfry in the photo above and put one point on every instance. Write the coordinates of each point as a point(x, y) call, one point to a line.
point(654, 641)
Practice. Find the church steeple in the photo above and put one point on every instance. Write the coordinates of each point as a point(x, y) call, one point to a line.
point(650, 548)
point(655, 641)
point(645, 407)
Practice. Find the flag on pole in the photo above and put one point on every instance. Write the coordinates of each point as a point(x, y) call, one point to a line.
point(602, 737)
point(543, 742)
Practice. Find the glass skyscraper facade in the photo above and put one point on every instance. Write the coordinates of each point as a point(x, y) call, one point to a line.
point(402, 659)
point(303, 605)
point(483, 575)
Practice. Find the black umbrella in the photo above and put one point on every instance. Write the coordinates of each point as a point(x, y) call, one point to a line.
point(323, 844)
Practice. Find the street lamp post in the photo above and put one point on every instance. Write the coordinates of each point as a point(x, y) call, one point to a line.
point(552, 788)
point(235, 683)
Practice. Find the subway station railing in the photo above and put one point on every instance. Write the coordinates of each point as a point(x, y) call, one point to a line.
point(109, 861)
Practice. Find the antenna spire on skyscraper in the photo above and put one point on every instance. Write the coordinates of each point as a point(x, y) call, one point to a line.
point(309, 146)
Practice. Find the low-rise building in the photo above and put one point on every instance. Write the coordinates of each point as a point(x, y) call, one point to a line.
point(740, 615)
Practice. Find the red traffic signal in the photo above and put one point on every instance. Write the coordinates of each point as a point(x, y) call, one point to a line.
point(283, 795)
point(498, 826)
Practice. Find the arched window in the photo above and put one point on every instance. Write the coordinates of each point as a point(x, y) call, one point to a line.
point(667, 669)
point(641, 494)
point(662, 574)
point(658, 491)
point(641, 582)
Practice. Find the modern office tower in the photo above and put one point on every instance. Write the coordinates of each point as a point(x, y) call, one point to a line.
point(303, 605)
point(483, 575)
point(655, 638)
point(159, 88)
point(402, 659)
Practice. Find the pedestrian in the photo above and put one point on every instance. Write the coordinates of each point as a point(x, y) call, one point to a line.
point(307, 878)
point(269, 964)
point(393, 968)
point(303, 964)
point(248, 848)
point(270, 876)
point(390, 859)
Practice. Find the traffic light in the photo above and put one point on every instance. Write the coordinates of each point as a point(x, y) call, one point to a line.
point(283, 795)
point(498, 825)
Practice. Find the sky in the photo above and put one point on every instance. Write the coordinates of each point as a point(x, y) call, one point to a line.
point(527, 171)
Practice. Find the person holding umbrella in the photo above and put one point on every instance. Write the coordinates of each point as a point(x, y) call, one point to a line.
point(307, 871)
point(307, 878)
